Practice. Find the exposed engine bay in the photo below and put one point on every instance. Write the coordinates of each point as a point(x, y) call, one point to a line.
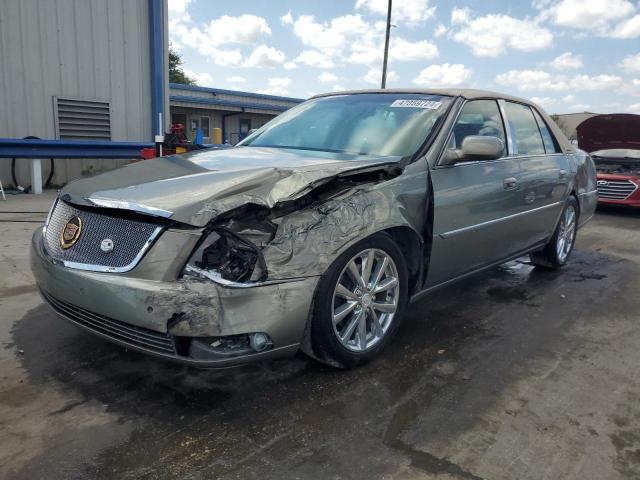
point(617, 165)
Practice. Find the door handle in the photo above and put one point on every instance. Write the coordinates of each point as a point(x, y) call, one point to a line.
point(562, 173)
point(510, 183)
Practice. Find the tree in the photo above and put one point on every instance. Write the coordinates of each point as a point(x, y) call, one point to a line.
point(176, 73)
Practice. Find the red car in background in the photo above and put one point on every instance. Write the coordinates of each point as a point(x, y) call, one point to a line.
point(613, 141)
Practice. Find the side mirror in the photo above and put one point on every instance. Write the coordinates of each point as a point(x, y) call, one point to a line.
point(475, 147)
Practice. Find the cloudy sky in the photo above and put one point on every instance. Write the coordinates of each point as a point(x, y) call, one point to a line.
point(569, 55)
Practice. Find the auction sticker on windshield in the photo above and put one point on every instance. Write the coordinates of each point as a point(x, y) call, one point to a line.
point(407, 103)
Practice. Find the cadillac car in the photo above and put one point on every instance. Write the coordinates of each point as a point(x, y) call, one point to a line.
point(317, 230)
point(614, 144)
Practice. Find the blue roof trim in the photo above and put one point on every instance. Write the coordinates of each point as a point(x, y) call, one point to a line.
point(195, 88)
point(20, 148)
point(227, 103)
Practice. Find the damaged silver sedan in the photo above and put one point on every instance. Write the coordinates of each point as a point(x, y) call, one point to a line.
point(317, 230)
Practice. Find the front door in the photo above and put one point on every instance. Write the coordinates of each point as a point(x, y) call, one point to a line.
point(473, 201)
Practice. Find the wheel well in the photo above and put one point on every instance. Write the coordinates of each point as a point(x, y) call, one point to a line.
point(411, 247)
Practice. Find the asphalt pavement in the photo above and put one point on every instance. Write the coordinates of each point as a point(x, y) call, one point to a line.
point(513, 374)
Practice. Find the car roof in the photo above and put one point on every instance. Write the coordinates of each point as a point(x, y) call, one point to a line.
point(468, 93)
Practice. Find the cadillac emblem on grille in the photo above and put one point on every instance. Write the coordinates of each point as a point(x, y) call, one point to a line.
point(70, 232)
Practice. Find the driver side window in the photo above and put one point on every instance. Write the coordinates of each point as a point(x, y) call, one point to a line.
point(478, 117)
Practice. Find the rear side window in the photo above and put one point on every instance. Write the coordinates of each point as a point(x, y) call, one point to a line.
point(550, 145)
point(524, 130)
point(478, 117)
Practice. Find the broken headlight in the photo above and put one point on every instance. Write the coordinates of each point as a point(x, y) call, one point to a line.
point(232, 252)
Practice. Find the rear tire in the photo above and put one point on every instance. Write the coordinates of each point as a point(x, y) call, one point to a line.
point(557, 252)
point(359, 302)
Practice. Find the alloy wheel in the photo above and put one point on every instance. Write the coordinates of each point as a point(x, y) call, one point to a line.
point(365, 300)
point(566, 233)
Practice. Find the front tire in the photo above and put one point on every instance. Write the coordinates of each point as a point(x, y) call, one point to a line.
point(556, 253)
point(359, 302)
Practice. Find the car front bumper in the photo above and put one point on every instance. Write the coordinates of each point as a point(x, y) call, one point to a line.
point(162, 318)
point(633, 200)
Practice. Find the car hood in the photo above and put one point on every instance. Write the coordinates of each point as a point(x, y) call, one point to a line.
point(606, 132)
point(197, 187)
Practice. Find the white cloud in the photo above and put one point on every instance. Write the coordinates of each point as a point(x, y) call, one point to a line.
point(539, 80)
point(264, 56)
point(524, 80)
point(544, 102)
point(631, 63)
point(314, 58)
point(493, 35)
point(327, 77)
point(444, 75)
point(202, 79)
point(242, 29)
point(351, 39)
point(287, 19)
point(177, 7)
point(440, 30)
point(374, 76)
point(578, 108)
point(237, 79)
point(227, 58)
point(290, 65)
point(606, 18)
point(277, 86)
point(338, 88)
point(567, 61)
point(367, 50)
point(401, 49)
point(627, 29)
point(634, 108)
point(569, 99)
point(206, 39)
point(409, 11)
point(328, 36)
point(596, 82)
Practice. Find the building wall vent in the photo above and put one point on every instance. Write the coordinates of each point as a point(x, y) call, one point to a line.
point(82, 119)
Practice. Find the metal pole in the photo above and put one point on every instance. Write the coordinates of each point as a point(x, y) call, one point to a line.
point(386, 48)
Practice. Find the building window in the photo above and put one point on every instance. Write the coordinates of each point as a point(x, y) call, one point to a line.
point(80, 119)
point(204, 125)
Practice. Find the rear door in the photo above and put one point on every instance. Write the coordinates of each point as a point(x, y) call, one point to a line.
point(544, 174)
point(473, 201)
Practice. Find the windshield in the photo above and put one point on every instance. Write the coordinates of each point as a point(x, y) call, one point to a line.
point(617, 153)
point(387, 124)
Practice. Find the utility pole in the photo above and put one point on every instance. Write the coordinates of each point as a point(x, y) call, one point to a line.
point(386, 48)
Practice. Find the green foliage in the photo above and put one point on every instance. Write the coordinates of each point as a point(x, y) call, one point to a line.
point(176, 74)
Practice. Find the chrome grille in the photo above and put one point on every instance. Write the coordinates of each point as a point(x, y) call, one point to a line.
point(616, 189)
point(119, 331)
point(130, 239)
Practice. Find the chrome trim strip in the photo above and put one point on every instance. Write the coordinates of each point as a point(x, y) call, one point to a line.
point(46, 222)
point(592, 192)
point(124, 205)
point(215, 277)
point(453, 233)
point(102, 268)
